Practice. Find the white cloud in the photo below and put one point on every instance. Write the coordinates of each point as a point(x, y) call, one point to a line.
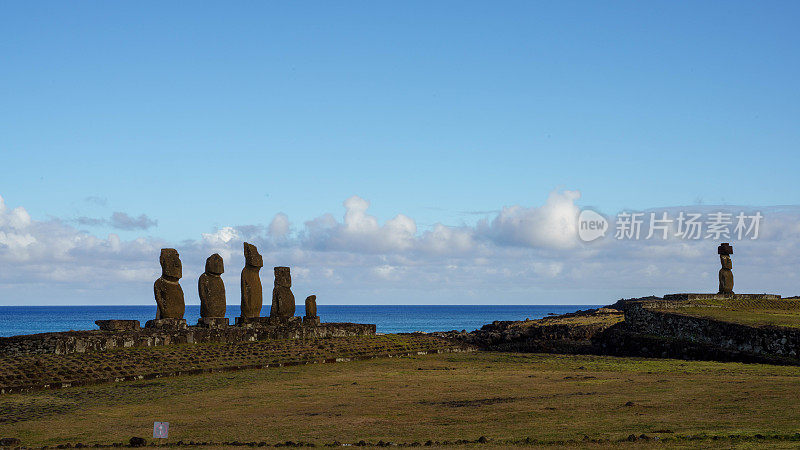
point(550, 270)
point(442, 239)
point(279, 227)
point(226, 241)
point(360, 231)
point(385, 271)
point(220, 237)
point(34, 252)
point(553, 225)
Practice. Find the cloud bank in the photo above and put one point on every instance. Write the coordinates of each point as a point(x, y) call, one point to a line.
point(524, 254)
point(120, 221)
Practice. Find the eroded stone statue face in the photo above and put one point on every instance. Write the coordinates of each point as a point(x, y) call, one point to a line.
point(214, 264)
point(283, 277)
point(251, 256)
point(726, 262)
point(170, 263)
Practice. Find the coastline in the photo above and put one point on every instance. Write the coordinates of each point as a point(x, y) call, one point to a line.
point(20, 320)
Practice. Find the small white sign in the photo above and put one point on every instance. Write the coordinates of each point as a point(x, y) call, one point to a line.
point(160, 430)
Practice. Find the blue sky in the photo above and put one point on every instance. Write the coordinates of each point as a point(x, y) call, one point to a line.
point(206, 115)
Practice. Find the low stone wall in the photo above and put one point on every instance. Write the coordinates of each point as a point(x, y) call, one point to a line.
point(68, 342)
point(22, 373)
point(766, 340)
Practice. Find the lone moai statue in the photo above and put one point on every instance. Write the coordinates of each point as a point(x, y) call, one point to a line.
point(282, 297)
point(212, 289)
point(311, 306)
point(311, 311)
point(167, 290)
point(252, 298)
point(725, 274)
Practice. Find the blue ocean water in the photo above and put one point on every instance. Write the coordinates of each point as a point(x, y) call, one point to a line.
point(16, 320)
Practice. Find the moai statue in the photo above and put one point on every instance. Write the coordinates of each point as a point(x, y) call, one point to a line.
point(725, 274)
point(311, 311)
point(311, 306)
point(282, 297)
point(212, 289)
point(251, 283)
point(168, 293)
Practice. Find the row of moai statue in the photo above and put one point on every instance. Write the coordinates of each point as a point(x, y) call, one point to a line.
point(169, 295)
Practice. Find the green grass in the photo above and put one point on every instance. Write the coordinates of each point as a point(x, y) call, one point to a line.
point(752, 312)
point(778, 318)
point(506, 397)
point(605, 319)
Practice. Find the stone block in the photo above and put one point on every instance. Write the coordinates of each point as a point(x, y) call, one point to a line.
point(167, 324)
point(118, 325)
point(311, 321)
point(213, 322)
point(293, 320)
point(258, 321)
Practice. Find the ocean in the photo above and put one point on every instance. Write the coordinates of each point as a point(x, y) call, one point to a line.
point(15, 320)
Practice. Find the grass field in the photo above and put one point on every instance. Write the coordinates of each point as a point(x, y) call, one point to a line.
point(605, 317)
point(505, 397)
point(778, 318)
point(761, 312)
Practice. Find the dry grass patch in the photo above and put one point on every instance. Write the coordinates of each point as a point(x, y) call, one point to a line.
point(506, 397)
point(752, 312)
point(604, 317)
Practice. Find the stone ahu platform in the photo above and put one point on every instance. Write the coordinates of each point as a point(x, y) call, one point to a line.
point(690, 297)
point(745, 327)
point(753, 328)
point(127, 333)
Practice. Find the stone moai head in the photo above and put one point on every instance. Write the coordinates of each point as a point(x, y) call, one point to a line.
point(311, 306)
point(725, 251)
point(214, 264)
point(251, 256)
point(170, 263)
point(283, 277)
